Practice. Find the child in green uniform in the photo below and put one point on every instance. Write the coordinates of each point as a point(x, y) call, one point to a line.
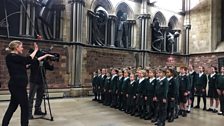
point(183, 91)
point(139, 93)
point(113, 87)
point(94, 85)
point(212, 90)
point(161, 91)
point(220, 90)
point(131, 93)
point(171, 94)
point(119, 90)
point(149, 93)
point(200, 87)
point(107, 90)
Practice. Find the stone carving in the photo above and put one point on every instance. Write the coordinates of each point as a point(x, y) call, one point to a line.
point(157, 36)
point(100, 18)
point(171, 37)
point(122, 31)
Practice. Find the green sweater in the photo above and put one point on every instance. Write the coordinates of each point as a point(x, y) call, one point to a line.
point(220, 83)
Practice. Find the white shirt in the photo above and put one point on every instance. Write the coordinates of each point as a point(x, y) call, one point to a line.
point(160, 79)
point(169, 78)
point(213, 74)
point(103, 75)
point(113, 76)
point(190, 72)
point(126, 78)
point(132, 81)
point(200, 74)
point(151, 79)
point(141, 80)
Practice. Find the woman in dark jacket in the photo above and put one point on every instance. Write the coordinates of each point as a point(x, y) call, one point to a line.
point(18, 81)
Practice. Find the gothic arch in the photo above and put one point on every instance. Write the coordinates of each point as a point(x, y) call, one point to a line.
point(106, 4)
point(173, 22)
point(161, 18)
point(125, 8)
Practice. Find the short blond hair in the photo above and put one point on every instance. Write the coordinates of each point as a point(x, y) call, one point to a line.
point(13, 45)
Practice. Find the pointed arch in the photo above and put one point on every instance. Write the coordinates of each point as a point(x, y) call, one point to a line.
point(125, 8)
point(161, 18)
point(173, 22)
point(106, 4)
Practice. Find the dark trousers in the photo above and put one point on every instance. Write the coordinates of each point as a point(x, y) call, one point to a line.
point(139, 104)
point(200, 94)
point(114, 99)
point(98, 93)
point(192, 97)
point(37, 89)
point(221, 98)
point(155, 111)
point(107, 99)
point(162, 112)
point(18, 97)
point(124, 104)
point(150, 107)
point(170, 109)
point(95, 92)
point(119, 100)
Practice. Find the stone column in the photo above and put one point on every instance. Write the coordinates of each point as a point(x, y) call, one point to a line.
point(58, 21)
point(76, 20)
point(144, 30)
point(187, 32)
point(144, 18)
point(27, 18)
point(76, 36)
point(131, 24)
point(113, 19)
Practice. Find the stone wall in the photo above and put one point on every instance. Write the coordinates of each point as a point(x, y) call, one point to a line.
point(95, 58)
point(206, 60)
point(156, 59)
point(200, 33)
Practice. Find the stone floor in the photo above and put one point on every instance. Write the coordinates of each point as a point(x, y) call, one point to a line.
point(84, 112)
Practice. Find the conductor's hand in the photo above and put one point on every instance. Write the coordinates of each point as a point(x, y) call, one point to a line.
point(45, 56)
point(49, 55)
point(35, 46)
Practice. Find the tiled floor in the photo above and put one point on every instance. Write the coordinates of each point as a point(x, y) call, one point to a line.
point(85, 112)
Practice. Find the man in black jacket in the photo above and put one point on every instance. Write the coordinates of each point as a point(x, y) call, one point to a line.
point(37, 84)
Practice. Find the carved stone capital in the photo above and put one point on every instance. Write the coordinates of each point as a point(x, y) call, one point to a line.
point(77, 1)
point(131, 21)
point(187, 27)
point(58, 7)
point(113, 17)
point(144, 16)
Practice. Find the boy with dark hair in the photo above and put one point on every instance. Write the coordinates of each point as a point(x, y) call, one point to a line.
point(171, 94)
point(161, 96)
point(200, 87)
point(183, 90)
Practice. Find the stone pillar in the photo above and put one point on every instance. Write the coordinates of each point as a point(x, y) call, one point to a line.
point(58, 21)
point(144, 35)
point(187, 36)
point(76, 20)
point(27, 18)
point(144, 30)
point(76, 36)
point(113, 19)
point(131, 24)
